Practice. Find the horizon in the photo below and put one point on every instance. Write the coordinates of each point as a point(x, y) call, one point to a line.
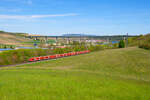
point(94, 17)
point(71, 34)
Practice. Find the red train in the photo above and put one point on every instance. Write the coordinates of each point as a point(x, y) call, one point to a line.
point(57, 56)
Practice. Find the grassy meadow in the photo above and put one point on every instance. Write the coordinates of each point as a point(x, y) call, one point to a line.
point(117, 74)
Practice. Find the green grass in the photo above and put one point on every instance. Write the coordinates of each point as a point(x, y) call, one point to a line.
point(118, 74)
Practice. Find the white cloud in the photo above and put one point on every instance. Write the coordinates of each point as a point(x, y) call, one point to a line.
point(34, 16)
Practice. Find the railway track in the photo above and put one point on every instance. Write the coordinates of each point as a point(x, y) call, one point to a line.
point(48, 58)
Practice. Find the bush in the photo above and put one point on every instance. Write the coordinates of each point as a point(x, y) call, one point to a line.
point(21, 55)
point(115, 45)
point(145, 46)
point(121, 44)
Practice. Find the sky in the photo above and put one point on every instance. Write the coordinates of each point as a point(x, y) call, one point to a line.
point(57, 17)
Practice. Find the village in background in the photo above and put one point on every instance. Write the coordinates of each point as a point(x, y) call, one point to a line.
point(9, 40)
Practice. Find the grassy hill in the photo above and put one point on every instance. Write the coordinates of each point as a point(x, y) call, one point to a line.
point(12, 38)
point(134, 41)
point(118, 74)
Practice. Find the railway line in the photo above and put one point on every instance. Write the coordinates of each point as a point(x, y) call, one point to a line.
point(47, 58)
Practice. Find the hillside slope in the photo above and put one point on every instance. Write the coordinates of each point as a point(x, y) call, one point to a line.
point(134, 41)
point(117, 74)
point(12, 38)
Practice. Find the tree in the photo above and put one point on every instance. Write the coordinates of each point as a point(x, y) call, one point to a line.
point(5, 47)
point(2, 31)
point(121, 44)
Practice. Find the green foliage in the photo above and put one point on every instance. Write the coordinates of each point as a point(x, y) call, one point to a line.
point(144, 41)
point(121, 44)
point(139, 40)
point(69, 49)
point(75, 43)
point(58, 50)
point(5, 46)
point(2, 46)
point(2, 31)
point(115, 45)
point(78, 48)
point(21, 55)
point(144, 46)
point(95, 48)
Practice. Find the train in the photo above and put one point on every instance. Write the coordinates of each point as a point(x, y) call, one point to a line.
point(56, 56)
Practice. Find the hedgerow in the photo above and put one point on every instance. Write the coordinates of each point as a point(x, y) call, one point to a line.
point(144, 46)
point(22, 55)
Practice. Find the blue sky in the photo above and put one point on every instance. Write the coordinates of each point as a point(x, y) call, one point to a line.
point(57, 17)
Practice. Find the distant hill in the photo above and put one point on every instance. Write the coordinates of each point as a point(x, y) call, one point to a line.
point(12, 38)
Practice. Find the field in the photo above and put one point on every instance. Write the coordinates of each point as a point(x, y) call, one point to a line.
point(12, 39)
point(117, 74)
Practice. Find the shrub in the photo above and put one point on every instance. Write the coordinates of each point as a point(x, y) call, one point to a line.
point(95, 48)
point(121, 44)
point(144, 46)
point(21, 55)
point(115, 45)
